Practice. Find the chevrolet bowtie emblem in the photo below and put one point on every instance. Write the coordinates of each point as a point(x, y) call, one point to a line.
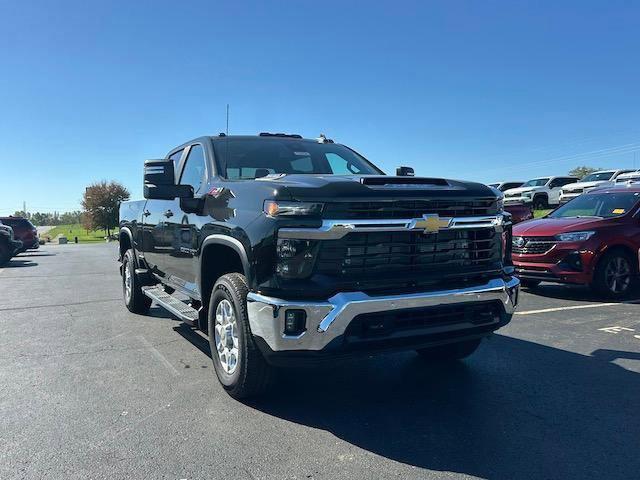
point(430, 223)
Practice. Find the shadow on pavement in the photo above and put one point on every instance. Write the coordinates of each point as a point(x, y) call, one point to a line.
point(515, 410)
point(15, 263)
point(574, 292)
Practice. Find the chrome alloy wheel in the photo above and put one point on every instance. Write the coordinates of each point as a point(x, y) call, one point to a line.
point(226, 336)
point(618, 275)
point(128, 282)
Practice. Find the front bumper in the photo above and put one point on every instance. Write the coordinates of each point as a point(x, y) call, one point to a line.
point(518, 200)
point(327, 321)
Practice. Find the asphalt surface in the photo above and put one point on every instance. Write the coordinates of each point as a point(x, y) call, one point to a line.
point(89, 390)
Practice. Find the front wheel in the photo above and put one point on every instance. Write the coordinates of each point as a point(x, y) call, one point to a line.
point(615, 275)
point(540, 203)
point(450, 352)
point(237, 361)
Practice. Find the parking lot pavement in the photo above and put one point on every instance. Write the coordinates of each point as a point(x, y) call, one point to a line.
point(89, 390)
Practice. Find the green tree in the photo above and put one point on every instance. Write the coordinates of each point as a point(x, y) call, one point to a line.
point(582, 171)
point(101, 202)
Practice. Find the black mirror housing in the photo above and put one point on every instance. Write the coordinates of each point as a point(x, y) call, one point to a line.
point(160, 181)
point(405, 172)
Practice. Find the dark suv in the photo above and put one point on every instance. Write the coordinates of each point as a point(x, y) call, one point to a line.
point(24, 231)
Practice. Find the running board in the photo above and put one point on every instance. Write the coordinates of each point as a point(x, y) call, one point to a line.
point(170, 303)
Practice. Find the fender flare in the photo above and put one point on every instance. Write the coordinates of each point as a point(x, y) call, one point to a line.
point(126, 231)
point(228, 241)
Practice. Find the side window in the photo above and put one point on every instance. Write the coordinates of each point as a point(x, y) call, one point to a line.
point(340, 166)
point(567, 181)
point(176, 160)
point(194, 170)
point(555, 183)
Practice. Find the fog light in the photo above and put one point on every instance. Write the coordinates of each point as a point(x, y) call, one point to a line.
point(294, 322)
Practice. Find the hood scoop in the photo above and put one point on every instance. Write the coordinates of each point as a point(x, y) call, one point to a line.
point(403, 182)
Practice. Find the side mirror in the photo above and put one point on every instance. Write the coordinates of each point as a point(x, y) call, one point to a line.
point(160, 181)
point(404, 172)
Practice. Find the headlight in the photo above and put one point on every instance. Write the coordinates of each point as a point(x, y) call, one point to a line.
point(499, 200)
point(527, 194)
point(575, 236)
point(275, 208)
point(296, 258)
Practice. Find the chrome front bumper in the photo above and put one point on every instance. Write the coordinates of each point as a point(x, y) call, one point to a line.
point(329, 320)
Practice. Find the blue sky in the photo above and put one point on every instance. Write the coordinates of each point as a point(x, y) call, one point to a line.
point(475, 90)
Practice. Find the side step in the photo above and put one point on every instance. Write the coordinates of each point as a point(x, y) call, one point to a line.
point(180, 309)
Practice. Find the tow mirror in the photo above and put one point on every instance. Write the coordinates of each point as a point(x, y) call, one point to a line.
point(404, 172)
point(160, 181)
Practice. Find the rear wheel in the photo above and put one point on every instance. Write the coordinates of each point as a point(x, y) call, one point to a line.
point(239, 365)
point(5, 255)
point(615, 275)
point(450, 352)
point(134, 299)
point(529, 283)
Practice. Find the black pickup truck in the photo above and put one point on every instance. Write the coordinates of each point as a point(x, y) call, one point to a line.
point(288, 251)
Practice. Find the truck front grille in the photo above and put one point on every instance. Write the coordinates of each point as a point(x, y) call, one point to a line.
point(374, 255)
point(409, 208)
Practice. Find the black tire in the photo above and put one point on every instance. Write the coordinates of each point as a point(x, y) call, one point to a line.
point(529, 283)
point(134, 299)
point(251, 375)
point(450, 352)
point(540, 203)
point(611, 284)
point(5, 255)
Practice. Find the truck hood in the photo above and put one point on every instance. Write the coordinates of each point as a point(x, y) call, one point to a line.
point(548, 227)
point(336, 187)
point(583, 185)
point(521, 190)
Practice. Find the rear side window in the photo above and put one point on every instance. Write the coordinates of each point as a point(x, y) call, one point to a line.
point(17, 223)
point(194, 170)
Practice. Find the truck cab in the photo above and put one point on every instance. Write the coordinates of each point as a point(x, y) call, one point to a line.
point(288, 250)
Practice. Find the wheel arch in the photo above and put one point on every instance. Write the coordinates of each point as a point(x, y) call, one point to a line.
point(628, 249)
point(126, 241)
point(220, 254)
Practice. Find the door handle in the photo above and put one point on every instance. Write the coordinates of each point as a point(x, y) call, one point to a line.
point(168, 213)
point(146, 213)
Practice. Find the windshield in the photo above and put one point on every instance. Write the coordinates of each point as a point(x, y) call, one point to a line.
point(605, 205)
point(595, 177)
point(248, 158)
point(536, 182)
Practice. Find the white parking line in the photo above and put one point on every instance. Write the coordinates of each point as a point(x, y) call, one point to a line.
point(572, 307)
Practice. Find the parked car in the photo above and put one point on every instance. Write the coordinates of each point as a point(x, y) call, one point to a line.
point(602, 178)
point(519, 212)
point(503, 186)
point(630, 177)
point(8, 244)
point(542, 193)
point(292, 250)
point(24, 231)
point(592, 240)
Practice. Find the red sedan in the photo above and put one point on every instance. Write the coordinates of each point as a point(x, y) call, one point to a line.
point(592, 240)
point(23, 230)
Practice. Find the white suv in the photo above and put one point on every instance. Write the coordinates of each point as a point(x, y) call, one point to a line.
point(630, 177)
point(542, 192)
point(603, 178)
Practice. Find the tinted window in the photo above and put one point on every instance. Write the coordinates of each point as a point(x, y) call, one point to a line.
point(605, 205)
point(594, 177)
point(242, 157)
point(566, 181)
point(536, 182)
point(194, 170)
point(17, 222)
